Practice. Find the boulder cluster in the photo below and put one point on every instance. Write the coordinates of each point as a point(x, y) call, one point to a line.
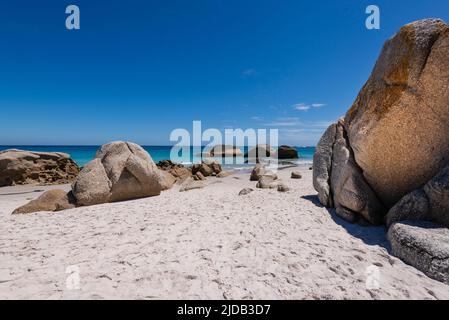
point(18, 167)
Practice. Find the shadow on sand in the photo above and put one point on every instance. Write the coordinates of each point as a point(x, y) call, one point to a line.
point(370, 235)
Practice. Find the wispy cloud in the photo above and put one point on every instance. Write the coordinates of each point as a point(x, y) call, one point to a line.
point(284, 122)
point(256, 118)
point(305, 107)
point(249, 73)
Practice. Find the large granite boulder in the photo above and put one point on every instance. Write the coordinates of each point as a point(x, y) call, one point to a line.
point(431, 202)
point(286, 152)
point(423, 245)
point(393, 140)
point(120, 171)
point(18, 167)
point(399, 124)
point(52, 200)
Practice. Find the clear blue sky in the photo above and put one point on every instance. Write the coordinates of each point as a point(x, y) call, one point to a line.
point(138, 69)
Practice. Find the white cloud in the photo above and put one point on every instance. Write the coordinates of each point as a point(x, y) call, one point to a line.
point(305, 107)
point(256, 118)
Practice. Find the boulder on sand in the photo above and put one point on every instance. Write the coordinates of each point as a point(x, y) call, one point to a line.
point(52, 200)
point(286, 152)
point(167, 180)
point(121, 171)
point(423, 245)
point(393, 140)
point(398, 126)
point(19, 167)
point(258, 171)
point(296, 175)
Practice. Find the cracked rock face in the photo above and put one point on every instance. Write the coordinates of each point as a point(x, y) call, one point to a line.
point(398, 126)
point(120, 171)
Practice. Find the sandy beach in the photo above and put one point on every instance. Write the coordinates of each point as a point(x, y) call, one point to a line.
point(208, 243)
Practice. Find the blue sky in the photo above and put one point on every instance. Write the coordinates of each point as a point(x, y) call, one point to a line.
point(136, 70)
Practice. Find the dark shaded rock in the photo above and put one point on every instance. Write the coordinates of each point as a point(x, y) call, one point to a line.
point(286, 152)
point(423, 245)
point(296, 175)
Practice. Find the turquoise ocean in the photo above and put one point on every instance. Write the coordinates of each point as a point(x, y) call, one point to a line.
point(83, 154)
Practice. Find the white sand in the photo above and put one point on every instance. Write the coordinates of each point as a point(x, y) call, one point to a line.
point(201, 244)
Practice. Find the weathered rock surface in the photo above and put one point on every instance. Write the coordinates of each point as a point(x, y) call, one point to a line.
point(423, 245)
point(19, 167)
point(121, 171)
point(428, 203)
point(399, 124)
point(52, 200)
point(167, 180)
point(258, 171)
point(340, 182)
point(287, 152)
point(393, 140)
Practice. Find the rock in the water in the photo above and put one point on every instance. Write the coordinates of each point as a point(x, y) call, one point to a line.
point(259, 152)
point(258, 171)
point(52, 200)
point(296, 175)
point(286, 152)
point(398, 126)
point(283, 188)
point(222, 151)
point(428, 203)
point(423, 245)
point(179, 171)
point(245, 191)
point(121, 171)
point(19, 167)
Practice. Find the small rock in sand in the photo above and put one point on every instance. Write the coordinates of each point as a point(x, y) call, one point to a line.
point(245, 191)
point(283, 188)
point(296, 175)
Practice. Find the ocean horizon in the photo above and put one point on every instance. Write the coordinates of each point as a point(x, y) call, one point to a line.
point(82, 154)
